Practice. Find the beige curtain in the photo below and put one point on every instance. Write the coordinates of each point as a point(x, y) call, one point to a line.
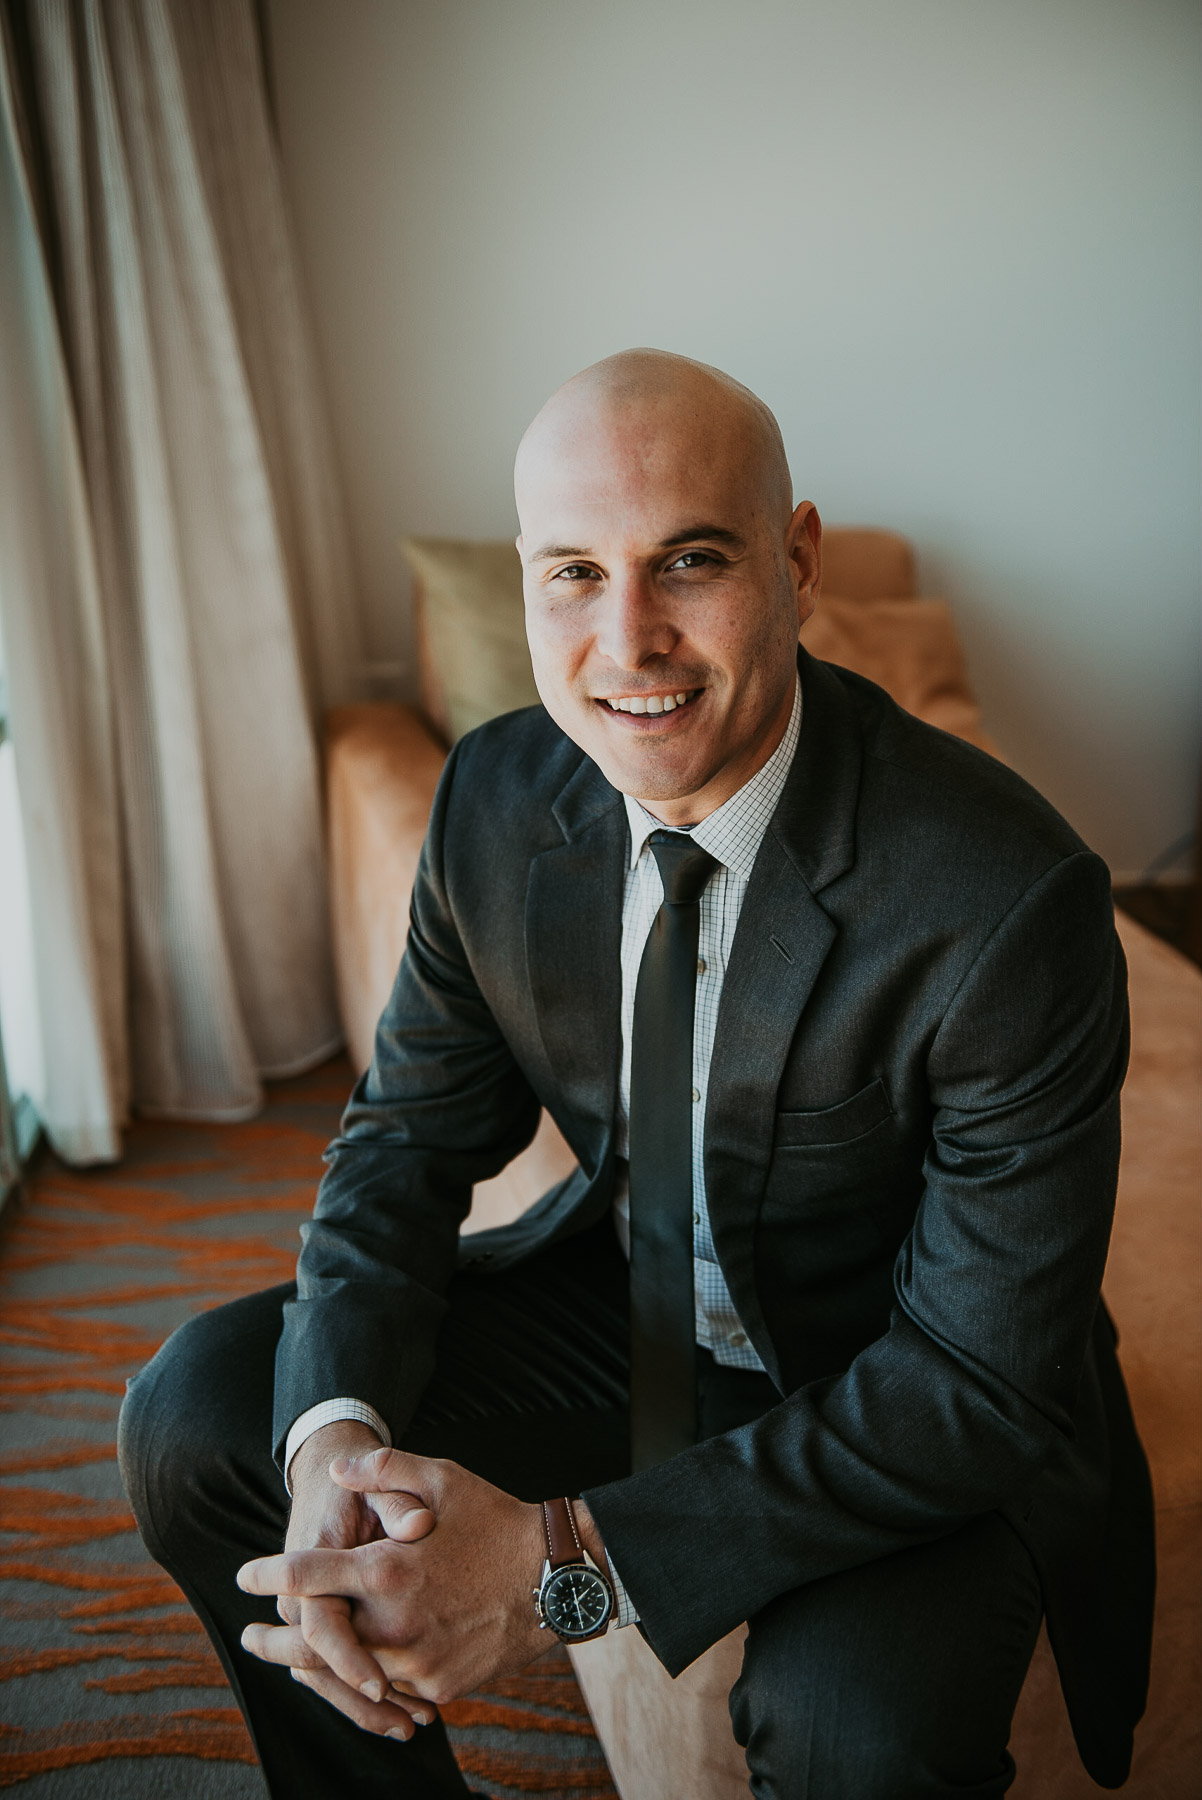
point(175, 600)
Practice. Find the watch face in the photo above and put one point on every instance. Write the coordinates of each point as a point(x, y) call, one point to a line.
point(576, 1601)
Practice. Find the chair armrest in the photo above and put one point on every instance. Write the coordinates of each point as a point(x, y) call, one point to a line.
point(382, 767)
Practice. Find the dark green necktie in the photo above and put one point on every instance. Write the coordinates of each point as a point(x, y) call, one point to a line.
point(663, 1378)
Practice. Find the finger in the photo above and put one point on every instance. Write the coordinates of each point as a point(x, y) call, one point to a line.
point(402, 1515)
point(397, 1666)
point(386, 1718)
point(400, 1665)
point(304, 1573)
point(326, 1628)
point(409, 1692)
point(283, 1645)
point(393, 1470)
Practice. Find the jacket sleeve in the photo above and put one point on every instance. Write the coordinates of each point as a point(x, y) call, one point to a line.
point(443, 1106)
point(970, 1392)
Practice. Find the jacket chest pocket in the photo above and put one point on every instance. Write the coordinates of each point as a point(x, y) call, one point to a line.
point(838, 1124)
point(848, 1160)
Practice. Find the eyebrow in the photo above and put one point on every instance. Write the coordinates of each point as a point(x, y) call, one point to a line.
point(552, 552)
point(702, 532)
point(711, 534)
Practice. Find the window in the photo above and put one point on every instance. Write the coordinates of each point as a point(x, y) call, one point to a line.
point(21, 1079)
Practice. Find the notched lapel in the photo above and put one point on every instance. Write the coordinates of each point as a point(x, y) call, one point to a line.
point(573, 935)
point(782, 941)
point(783, 938)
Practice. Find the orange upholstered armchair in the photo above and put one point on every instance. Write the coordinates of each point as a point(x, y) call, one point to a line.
point(667, 1740)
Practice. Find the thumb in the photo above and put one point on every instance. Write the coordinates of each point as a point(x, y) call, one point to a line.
point(387, 1479)
point(403, 1516)
point(385, 1471)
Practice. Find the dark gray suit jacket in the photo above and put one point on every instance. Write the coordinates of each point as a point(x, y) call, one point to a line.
point(912, 1138)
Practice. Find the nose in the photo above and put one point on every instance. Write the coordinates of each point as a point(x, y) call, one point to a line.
point(634, 626)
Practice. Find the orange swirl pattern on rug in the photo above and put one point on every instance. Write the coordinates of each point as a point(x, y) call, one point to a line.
point(96, 1268)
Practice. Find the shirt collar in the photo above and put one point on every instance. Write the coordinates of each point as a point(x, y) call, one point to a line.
point(734, 831)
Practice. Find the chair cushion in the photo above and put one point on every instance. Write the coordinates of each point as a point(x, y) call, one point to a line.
point(472, 631)
point(1153, 1283)
point(908, 647)
point(862, 563)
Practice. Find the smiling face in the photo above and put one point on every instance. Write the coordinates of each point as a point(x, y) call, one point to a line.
point(666, 575)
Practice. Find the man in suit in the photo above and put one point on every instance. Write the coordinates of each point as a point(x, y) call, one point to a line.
point(831, 1010)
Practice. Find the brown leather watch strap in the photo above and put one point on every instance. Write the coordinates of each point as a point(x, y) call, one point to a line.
point(563, 1539)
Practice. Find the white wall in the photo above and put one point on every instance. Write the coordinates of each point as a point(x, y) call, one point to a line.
point(955, 246)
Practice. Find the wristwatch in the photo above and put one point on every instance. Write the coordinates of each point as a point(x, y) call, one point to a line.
point(573, 1599)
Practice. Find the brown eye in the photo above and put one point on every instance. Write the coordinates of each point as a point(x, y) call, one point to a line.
point(573, 572)
point(692, 559)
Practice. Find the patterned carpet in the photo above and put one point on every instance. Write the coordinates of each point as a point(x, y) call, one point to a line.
point(108, 1686)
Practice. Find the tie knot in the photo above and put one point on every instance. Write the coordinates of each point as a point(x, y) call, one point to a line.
point(684, 867)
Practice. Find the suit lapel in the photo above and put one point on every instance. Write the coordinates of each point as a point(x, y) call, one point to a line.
point(782, 940)
point(573, 934)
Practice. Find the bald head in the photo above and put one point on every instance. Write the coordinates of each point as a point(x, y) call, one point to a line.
point(666, 573)
point(652, 404)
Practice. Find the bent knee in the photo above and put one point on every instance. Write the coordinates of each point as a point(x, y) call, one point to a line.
point(162, 1425)
point(895, 1678)
point(198, 1415)
point(862, 1750)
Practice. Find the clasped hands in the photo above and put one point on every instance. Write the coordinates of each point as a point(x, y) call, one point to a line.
point(405, 1582)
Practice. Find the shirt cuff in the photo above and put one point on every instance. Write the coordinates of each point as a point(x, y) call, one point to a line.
point(330, 1412)
point(625, 1611)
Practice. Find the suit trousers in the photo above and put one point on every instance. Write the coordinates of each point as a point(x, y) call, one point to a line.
point(892, 1679)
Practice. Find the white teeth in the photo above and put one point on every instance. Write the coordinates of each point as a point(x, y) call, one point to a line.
point(653, 703)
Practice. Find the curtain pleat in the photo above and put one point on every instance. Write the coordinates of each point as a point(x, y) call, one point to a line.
point(220, 57)
point(225, 597)
point(58, 695)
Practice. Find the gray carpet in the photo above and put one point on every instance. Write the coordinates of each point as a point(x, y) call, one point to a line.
point(100, 1657)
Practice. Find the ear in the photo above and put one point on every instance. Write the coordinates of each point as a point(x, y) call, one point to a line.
point(803, 546)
